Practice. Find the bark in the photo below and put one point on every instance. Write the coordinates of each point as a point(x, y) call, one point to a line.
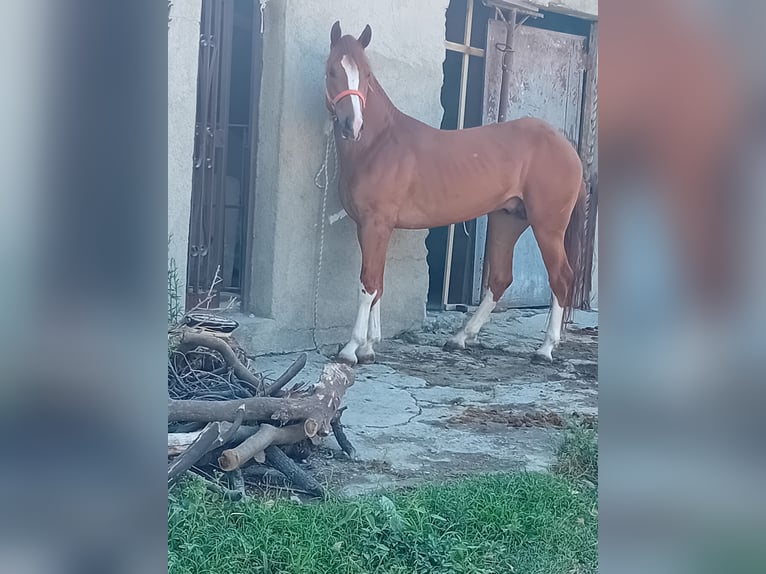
point(340, 435)
point(287, 376)
point(196, 339)
point(295, 475)
point(212, 436)
point(179, 442)
point(203, 443)
point(315, 410)
point(254, 447)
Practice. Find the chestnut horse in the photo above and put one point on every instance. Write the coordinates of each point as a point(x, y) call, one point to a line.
point(399, 173)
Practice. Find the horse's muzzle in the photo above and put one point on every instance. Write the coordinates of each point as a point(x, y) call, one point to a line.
point(347, 130)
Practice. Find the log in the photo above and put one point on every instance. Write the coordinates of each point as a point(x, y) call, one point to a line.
point(340, 435)
point(236, 481)
point(196, 339)
point(295, 475)
point(203, 443)
point(287, 376)
point(257, 474)
point(316, 410)
point(254, 447)
point(212, 436)
point(179, 442)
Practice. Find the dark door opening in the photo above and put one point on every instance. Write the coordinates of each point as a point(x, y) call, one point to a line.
point(228, 85)
point(462, 98)
point(463, 42)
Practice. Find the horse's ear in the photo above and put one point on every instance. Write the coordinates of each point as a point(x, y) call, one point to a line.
point(335, 33)
point(366, 36)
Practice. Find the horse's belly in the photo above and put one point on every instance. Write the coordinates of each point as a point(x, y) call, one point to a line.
point(438, 212)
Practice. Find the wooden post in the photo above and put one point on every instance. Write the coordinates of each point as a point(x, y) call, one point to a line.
point(460, 124)
point(589, 154)
point(505, 83)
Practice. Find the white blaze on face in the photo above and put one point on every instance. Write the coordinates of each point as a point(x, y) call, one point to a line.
point(352, 74)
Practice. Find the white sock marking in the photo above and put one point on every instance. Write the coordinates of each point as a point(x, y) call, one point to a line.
point(359, 333)
point(373, 333)
point(475, 323)
point(553, 332)
point(352, 73)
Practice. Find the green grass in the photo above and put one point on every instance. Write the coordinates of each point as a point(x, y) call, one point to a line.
point(521, 523)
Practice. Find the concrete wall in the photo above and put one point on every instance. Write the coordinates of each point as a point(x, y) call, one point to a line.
point(183, 49)
point(406, 53)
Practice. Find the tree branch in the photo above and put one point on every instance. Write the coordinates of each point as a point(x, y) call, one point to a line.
point(287, 376)
point(316, 409)
point(196, 339)
point(254, 446)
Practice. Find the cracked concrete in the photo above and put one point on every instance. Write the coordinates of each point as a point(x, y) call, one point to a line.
point(399, 409)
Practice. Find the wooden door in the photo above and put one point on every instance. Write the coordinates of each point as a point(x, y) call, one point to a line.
point(546, 82)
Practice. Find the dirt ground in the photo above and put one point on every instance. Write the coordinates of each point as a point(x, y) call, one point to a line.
point(421, 413)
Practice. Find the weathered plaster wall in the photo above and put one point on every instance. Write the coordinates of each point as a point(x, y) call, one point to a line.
point(183, 49)
point(406, 52)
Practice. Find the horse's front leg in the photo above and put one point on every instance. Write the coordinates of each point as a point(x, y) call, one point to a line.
point(366, 353)
point(373, 240)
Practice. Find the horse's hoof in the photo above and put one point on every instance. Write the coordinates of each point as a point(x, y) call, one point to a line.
point(347, 359)
point(453, 345)
point(541, 359)
point(365, 359)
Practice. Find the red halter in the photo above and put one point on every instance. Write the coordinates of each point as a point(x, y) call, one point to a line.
point(342, 95)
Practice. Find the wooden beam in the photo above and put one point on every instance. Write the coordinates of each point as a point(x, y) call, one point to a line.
point(463, 49)
point(460, 124)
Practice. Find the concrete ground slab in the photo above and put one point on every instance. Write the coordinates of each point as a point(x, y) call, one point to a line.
point(421, 413)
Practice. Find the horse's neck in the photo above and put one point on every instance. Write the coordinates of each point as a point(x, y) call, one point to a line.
point(380, 100)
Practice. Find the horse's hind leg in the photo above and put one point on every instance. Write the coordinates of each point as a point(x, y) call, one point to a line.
point(503, 231)
point(560, 276)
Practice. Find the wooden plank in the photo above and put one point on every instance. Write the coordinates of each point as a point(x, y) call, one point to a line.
point(463, 49)
point(589, 153)
point(547, 82)
point(493, 65)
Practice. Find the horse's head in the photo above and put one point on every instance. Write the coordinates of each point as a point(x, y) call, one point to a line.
point(347, 80)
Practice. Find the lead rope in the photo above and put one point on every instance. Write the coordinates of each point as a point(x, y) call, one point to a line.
point(323, 179)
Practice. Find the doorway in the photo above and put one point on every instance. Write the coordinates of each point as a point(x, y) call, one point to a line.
point(228, 86)
point(461, 98)
point(471, 66)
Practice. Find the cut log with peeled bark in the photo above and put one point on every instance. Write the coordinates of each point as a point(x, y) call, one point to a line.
point(316, 410)
point(254, 446)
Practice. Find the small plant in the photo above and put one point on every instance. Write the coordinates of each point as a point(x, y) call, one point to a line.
point(577, 457)
point(175, 310)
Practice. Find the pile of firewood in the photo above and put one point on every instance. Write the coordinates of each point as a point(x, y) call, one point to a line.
point(227, 421)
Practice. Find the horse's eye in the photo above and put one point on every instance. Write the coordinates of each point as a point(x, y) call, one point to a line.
point(332, 73)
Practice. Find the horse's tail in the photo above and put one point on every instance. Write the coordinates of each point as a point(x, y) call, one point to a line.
point(573, 245)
